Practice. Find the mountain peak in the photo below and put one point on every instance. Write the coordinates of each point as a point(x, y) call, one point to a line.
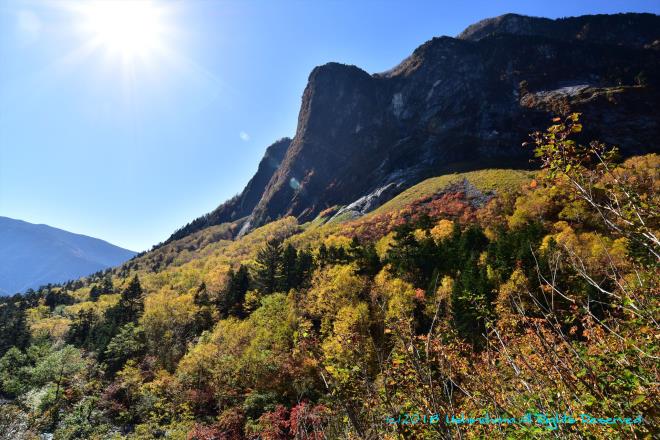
point(626, 29)
point(460, 103)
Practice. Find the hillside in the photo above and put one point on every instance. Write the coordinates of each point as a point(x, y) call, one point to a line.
point(398, 269)
point(33, 255)
point(277, 331)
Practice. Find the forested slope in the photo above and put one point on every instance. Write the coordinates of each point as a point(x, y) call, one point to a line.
point(500, 291)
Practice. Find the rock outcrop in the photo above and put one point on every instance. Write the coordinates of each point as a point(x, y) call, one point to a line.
point(467, 102)
point(457, 104)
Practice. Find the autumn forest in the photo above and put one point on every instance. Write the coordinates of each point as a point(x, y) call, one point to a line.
point(500, 292)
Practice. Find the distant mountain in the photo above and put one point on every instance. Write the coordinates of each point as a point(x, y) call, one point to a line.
point(33, 255)
point(457, 104)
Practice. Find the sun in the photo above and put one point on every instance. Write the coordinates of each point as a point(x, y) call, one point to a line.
point(127, 28)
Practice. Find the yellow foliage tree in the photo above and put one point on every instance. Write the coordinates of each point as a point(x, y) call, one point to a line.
point(168, 322)
point(513, 300)
point(346, 351)
point(332, 288)
point(442, 230)
point(396, 296)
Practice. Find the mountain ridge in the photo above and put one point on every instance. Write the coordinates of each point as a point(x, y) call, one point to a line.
point(35, 254)
point(595, 28)
point(469, 100)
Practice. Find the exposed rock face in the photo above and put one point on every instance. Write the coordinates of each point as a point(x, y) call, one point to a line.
point(458, 104)
point(370, 201)
point(633, 30)
point(253, 191)
point(469, 101)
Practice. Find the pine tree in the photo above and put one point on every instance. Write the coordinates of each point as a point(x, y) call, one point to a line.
point(131, 302)
point(289, 278)
point(304, 267)
point(106, 286)
point(202, 296)
point(81, 331)
point(204, 317)
point(54, 298)
point(268, 271)
point(94, 293)
point(127, 310)
point(472, 302)
point(230, 302)
point(323, 255)
point(365, 257)
point(14, 330)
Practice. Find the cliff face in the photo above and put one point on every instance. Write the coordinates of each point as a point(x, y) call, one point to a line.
point(456, 104)
point(467, 102)
point(253, 191)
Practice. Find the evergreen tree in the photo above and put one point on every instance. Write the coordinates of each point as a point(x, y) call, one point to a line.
point(131, 302)
point(127, 310)
point(513, 248)
point(81, 332)
point(304, 267)
point(94, 293)
point(202, 296)
point(472, 299)
point(128, 343)
point(471, 243)
point(323, 255)
point(230, 302)
point(106, 286)
point(290, 277)
point(204, 318)
point(268, 271)
point(336, 255)
point(416, 260)
point(365, 257)
point(54, 298)
point(13, 327)
point(14, 373)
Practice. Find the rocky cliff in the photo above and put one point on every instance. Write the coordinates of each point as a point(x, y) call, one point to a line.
point(467, 102)
point(461, 103)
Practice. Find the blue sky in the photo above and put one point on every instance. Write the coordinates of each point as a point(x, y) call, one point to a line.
point(129, 150)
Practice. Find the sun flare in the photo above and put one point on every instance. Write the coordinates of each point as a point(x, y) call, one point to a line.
point(129, 29)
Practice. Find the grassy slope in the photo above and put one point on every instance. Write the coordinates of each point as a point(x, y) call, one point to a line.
point(486, 180)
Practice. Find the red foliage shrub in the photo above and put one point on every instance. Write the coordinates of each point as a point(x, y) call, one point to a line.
point(275, 424)
point(452, 206)
point(308, 422)
point(231, 423)
point(203, 432)
point(202, 401)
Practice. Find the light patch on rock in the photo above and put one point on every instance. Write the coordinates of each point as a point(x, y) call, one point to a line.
point(430, 94)
point(370, 201)
point(397, 104)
